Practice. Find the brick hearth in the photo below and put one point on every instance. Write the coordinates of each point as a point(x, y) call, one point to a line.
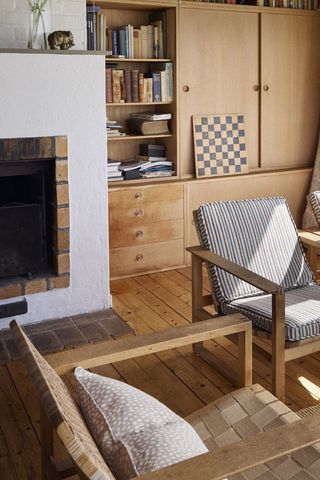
point(44, 148)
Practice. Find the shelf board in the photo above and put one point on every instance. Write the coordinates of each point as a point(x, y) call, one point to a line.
point(137, 104)
point(153, 60)
point(142, 181)
point(138, 137)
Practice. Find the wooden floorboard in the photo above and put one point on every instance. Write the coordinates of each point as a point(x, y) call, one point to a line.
point(181, 380)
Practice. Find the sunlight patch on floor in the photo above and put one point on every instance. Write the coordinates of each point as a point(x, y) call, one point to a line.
point(313, 389)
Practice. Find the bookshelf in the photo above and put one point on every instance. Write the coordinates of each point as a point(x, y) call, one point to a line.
point(120, 14)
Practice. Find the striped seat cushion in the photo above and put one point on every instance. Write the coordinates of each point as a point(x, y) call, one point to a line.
point(314, 199)
point(302, 311)
point(258, 234)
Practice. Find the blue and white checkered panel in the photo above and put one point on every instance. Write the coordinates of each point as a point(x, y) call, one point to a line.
point(258, 234)
point(302, 311)
point(314, 199)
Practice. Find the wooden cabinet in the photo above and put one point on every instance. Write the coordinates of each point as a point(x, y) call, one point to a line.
point(262, 62)
point(290, 89)
point(219, 69)
point(264, 65)
point(146, 225)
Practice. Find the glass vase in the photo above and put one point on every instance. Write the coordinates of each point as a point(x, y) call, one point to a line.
point(39, 29)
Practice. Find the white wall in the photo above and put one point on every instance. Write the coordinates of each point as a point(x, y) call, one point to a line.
point(65, 15)
point(50, 94)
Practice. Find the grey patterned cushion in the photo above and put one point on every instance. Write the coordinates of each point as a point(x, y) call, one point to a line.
point(314, 199)
point(258, 234)
point(302, 311)
point(134, 432)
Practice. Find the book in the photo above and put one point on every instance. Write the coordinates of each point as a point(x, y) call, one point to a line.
point(127, 82)
point(135, 85)
point(116, 179)
point(131, 174)
point(162, 164)
point(118, 86)
point(151, 116)
point(144, 41)
point(153, 150)
point(147, 158)
point(147, 127)
point(137, 43)
point(129, 165)
point(156, 87)
point(108, 85)
point(148, 90)
point(150, 40)
point(141, 87)
point(115, 45)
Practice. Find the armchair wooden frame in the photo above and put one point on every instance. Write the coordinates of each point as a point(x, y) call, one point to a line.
point(280, 351)
point(87, 462)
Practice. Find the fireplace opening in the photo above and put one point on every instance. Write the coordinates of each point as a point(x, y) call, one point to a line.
point(26, 217)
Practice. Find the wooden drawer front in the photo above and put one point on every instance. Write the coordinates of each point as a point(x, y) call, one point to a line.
point(132, 260)
point(138, 196)
point(145, 213)
point(141, 234)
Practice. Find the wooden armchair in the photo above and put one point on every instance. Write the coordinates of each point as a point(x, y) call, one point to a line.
point(239, 415)
point(257, 267)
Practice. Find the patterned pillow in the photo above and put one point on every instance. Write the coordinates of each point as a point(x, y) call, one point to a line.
point(135, 433)
point(314, 199)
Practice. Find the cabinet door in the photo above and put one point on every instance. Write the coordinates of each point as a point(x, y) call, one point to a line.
point(218, 55)
point(290, 94)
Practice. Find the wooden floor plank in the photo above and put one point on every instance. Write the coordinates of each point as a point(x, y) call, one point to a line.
point(17, 430)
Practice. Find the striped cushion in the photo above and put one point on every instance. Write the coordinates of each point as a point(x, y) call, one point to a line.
point(258, 234)
point(314, 199)
point(302, 311)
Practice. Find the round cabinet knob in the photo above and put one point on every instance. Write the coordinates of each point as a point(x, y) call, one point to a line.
point(186, 88)
point(139, 233)
point(139, 213)
point(138, 195)
point(265, 88)
point(139, 257)
point(256, 88)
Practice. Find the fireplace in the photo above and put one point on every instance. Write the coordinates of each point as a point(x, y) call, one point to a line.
point(34, 215)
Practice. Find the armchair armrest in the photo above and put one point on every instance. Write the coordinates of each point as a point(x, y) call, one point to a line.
point(131, 347)
point(237, 270)
point(225, 461)
point(310, 239)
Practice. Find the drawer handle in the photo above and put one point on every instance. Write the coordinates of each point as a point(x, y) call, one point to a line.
point(139, 233)
point(139, 257)
point(265, 88)
point(139, 213)
point(138, 195)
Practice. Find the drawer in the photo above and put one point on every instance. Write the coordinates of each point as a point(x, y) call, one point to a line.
point(140, 259)
point(124, 198)
point(144, 213)
point(144, 233)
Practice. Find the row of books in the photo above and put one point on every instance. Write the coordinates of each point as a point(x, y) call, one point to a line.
point(301, 4)
point(151, 163)
point(127, 41)
point(143, 123)
point(127, 86)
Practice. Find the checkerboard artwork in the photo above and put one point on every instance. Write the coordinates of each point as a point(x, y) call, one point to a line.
point(219, 145)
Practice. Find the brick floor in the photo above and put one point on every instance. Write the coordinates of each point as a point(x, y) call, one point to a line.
point(55, 335)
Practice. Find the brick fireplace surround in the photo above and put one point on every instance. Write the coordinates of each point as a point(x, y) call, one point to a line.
point(44, 148)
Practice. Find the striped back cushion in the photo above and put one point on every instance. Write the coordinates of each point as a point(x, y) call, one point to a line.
point(258, 234)
point(314, 199)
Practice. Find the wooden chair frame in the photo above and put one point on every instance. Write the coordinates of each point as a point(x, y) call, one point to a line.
point(214, 465)
point(280, 351)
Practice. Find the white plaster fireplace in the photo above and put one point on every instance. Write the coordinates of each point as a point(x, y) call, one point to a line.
point(47, 94)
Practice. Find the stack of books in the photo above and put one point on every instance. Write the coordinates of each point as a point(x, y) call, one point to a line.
point(127, 86)
point(149, 123)
point(114, 174)
point(149, 164)
point(113, 129)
